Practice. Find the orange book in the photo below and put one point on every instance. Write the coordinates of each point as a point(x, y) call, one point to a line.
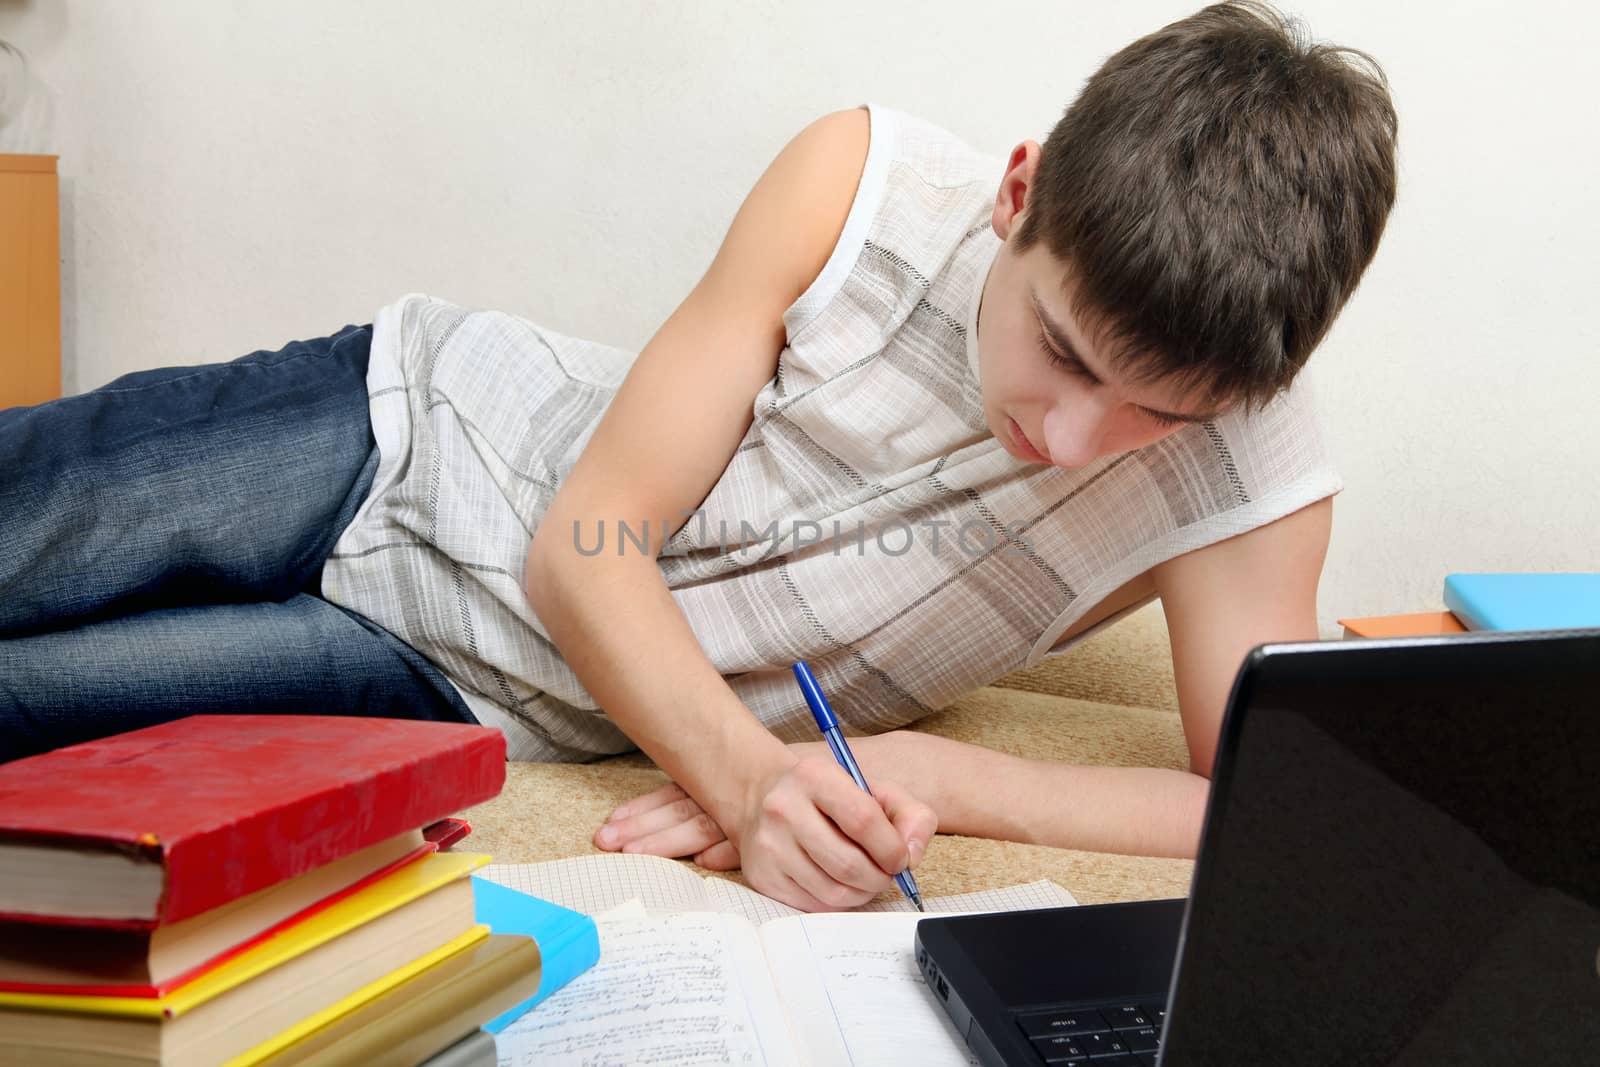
point(1427, 622)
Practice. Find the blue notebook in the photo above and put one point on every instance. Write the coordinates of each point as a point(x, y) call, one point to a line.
point(569, 944)
point(1523, 601)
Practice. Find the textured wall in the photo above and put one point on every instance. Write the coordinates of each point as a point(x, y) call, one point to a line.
point(237, 174)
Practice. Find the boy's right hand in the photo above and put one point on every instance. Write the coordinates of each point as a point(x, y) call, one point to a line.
point(816, 842)
point(803, 831)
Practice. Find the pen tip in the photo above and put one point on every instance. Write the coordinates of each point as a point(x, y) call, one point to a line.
point(918, 903)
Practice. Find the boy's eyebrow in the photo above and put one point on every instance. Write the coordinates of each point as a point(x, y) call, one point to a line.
point(1059, 338)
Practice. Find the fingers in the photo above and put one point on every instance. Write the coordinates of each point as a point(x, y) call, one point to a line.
point(667, 794)
point(796, 897)
point(666, 822)
point(777, 866)
point(860, 818)
point(834, 873)
point(721, 856)
point(696, 834)
point(913, 820)
point(823, 833)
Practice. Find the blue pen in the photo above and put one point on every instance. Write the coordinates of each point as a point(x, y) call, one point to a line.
point(841, 752)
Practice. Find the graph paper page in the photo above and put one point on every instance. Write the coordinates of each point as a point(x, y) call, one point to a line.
point(598, 883)
point(730, 896)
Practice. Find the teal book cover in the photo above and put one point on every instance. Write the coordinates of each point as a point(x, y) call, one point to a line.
point(1523, 601)
point(569, 944)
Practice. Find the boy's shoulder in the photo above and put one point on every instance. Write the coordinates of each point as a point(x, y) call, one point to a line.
point(939, 157)
point(922, 194)
point(874, 136)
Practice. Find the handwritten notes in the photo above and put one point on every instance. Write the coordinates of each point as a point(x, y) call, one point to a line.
point(854, 995)
point(686, 977)
point(682, 989)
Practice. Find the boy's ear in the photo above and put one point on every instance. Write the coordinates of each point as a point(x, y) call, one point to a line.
point(1011, 201)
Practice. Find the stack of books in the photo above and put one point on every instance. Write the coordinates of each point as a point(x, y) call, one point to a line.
point(1519, 601)
point(249, 889)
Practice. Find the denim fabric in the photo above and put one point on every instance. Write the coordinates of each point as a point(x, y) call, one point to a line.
point(161, 542)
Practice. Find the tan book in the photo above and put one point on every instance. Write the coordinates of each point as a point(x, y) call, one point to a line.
point(429, 1013)
point(269, 996)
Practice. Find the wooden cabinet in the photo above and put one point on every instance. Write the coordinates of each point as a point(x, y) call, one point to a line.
point(30, 281)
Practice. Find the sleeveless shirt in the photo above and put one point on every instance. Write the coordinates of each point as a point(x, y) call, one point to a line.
point(867, 523)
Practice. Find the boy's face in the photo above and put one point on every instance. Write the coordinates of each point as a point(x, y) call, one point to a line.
point(1049, 396)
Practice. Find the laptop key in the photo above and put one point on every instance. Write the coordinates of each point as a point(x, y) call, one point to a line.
point(1128, 1017)
point(1061, 1021)
point(1157, 1013)
point(1060, 1049)
point(1098, 1045)
point(1146, 1040)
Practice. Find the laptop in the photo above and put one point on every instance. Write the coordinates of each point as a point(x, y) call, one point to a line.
point(1400, 865)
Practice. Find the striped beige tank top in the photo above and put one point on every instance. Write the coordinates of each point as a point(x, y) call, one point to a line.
point(868, 523)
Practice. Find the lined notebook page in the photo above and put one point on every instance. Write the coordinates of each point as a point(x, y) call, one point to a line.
point(850, 986)
point(678, 990)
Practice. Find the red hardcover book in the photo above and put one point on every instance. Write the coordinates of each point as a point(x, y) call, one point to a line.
point(154, 826)
point(100, 961)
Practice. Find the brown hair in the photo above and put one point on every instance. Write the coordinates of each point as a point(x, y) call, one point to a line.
point(1216, 192)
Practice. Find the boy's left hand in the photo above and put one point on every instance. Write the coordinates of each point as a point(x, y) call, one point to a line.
point(668, 822)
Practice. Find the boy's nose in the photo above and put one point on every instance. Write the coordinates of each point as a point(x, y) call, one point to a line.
point(1073, 431)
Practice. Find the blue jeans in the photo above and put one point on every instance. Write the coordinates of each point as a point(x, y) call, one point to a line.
point(161, 545)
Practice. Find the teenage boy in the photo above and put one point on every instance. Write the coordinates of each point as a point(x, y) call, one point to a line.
point(912, 427)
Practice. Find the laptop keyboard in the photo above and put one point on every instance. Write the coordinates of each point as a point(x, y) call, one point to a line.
point(1106, 1035)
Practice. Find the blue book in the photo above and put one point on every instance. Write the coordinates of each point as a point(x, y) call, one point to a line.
point(1523, 601)
point(569, 944)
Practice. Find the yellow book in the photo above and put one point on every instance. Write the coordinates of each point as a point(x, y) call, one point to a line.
point(423, 1015)
point(270, 995)
point(310, 1025)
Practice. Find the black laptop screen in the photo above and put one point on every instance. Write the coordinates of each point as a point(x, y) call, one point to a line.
point(1405, 865)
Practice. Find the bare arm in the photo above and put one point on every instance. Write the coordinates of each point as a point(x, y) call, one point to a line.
point(806, 834)
point(1220, 601)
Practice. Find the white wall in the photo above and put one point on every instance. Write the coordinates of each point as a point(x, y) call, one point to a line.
point(238, 174)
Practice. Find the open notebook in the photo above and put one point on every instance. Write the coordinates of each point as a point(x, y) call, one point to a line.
point(699, 970)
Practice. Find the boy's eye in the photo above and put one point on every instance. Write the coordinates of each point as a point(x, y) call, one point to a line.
point(1064, 362)
point(1074, 367)
point(1162, 419)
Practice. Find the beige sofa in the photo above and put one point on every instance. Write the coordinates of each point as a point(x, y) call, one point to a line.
point(1109, 700)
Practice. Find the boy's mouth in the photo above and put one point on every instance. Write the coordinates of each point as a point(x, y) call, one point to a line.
point(1024, 445)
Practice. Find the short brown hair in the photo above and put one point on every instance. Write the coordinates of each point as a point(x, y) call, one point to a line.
point(1216, 192)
